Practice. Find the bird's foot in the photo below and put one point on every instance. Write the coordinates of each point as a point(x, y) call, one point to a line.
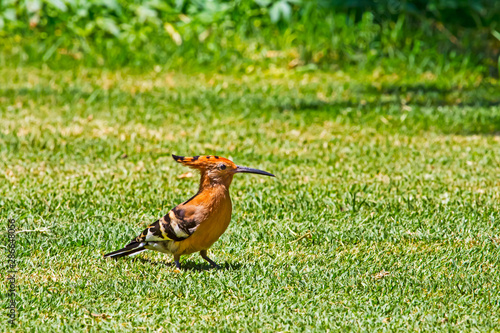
point(210, 261)
point(177, 266)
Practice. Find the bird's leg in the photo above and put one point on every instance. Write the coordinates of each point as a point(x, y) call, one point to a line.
point(204, 255)
point(176, 260)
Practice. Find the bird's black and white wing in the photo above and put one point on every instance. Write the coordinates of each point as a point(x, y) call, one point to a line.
point(180, 223)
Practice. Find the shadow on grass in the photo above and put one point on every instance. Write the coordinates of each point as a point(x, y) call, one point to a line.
point(370, 103)
point(424, 94)
point(189, 265)
point(319, 105)
point(367, 96)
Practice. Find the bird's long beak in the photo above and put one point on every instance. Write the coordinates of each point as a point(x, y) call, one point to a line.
point(251, 170)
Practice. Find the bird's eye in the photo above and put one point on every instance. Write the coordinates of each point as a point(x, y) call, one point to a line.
point(222, 167)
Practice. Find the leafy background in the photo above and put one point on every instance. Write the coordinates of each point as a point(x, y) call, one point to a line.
point(238, 35)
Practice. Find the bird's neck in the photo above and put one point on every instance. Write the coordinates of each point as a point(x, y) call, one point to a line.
point(218, 185)
point(216, 194)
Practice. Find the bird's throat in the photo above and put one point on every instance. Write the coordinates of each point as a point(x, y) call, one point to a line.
point(219, 182)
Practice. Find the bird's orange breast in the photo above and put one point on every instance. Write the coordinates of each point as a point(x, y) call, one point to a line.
point(210, 229)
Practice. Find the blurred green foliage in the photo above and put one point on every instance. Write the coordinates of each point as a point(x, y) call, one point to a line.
point(416, 35)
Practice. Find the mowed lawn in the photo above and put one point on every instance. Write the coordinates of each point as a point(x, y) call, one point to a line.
point(384, 214)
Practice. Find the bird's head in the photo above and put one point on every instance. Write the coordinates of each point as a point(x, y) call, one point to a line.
point(217, 169)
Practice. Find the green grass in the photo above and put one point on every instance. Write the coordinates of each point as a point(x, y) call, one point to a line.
point(383, 215)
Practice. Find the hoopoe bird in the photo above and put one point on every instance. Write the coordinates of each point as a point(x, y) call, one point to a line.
point(196, 224)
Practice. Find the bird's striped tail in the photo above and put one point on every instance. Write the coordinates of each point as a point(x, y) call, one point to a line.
point(131, 249)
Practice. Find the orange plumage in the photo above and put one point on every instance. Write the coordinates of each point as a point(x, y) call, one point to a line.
point(196, 224)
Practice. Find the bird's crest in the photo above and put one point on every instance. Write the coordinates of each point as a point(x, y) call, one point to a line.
point(203, 162)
